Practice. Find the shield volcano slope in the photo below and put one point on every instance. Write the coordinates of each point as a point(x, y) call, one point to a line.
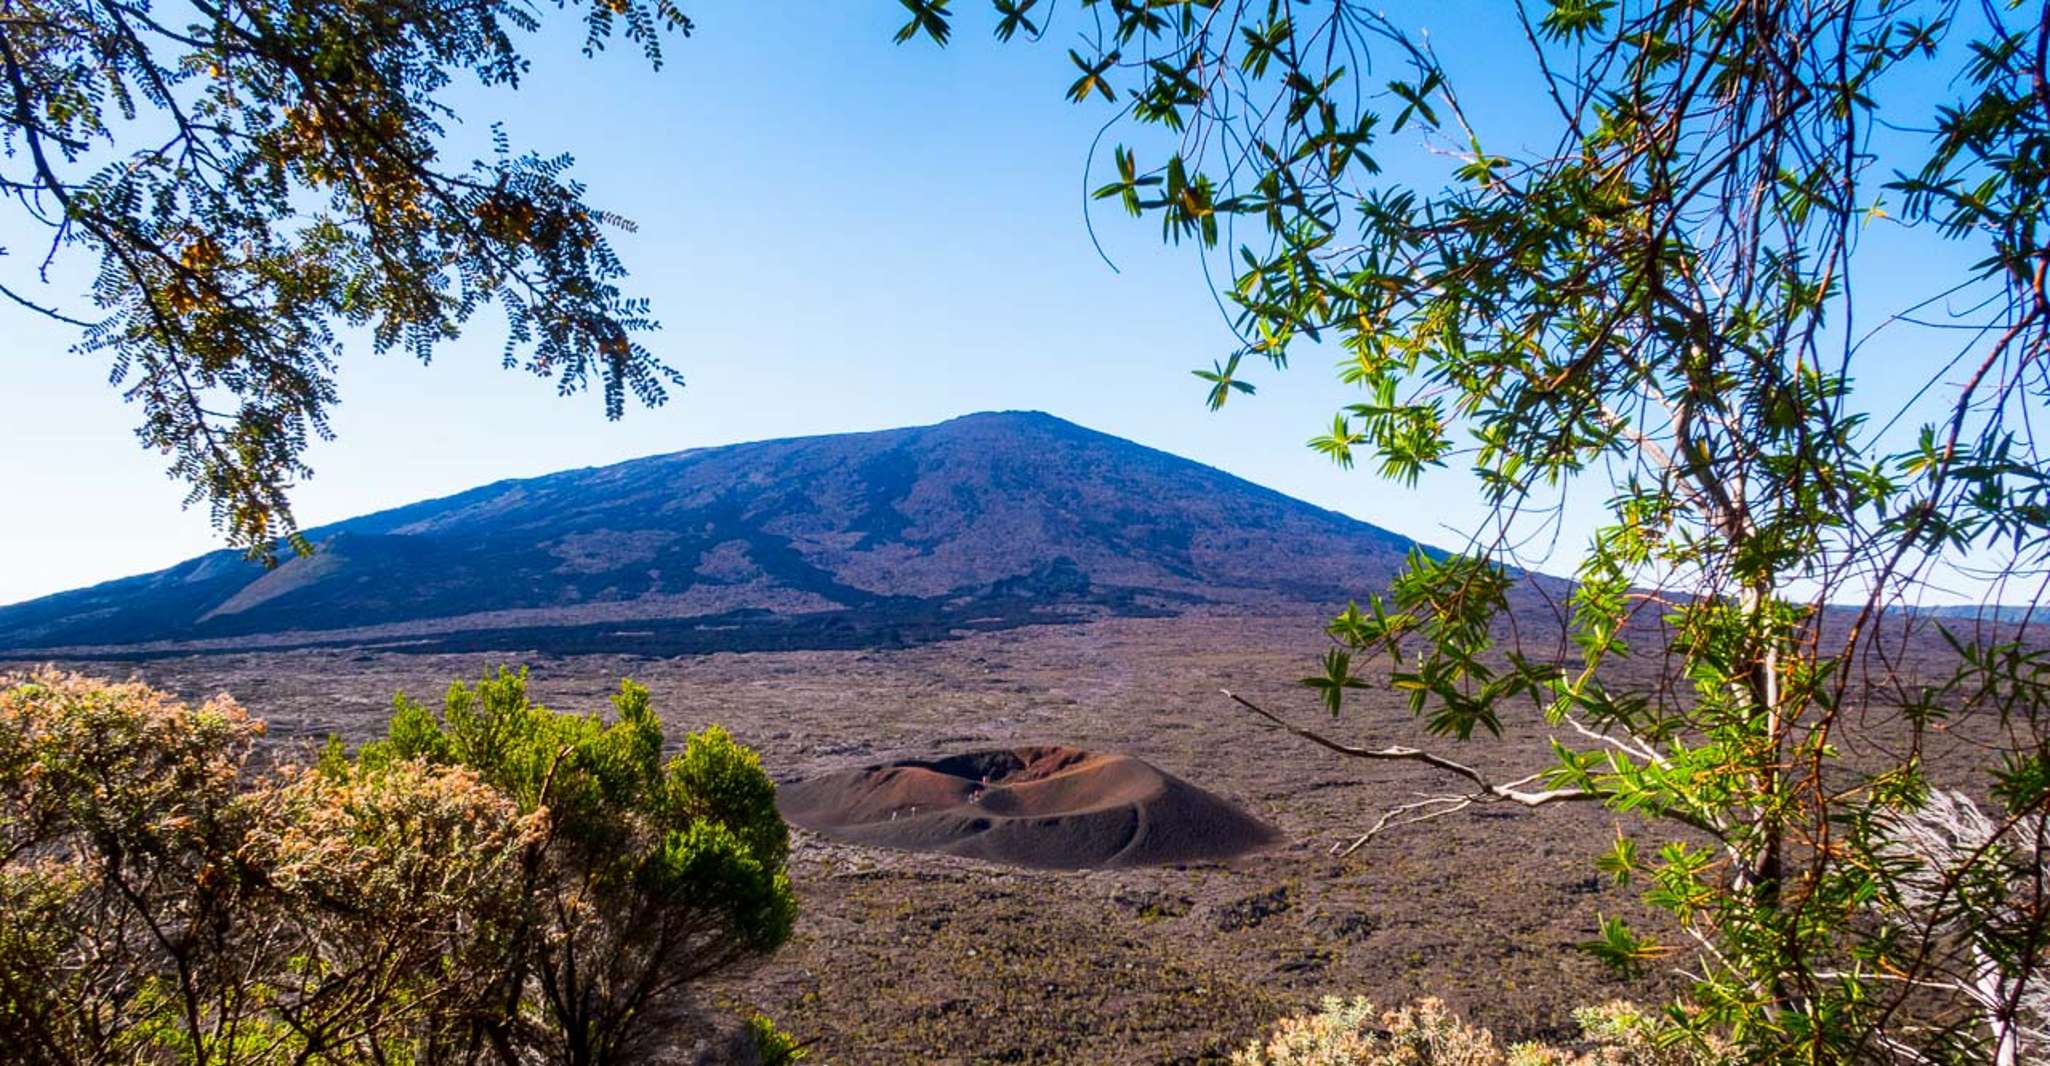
point(851, 540)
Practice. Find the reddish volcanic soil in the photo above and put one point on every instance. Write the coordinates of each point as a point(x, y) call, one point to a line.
point(1051, 808)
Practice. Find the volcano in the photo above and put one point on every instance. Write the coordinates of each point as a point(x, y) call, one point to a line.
point(1050, 807)
point(841, 541)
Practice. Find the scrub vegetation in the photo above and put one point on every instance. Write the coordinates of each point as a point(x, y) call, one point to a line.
point(1650, 308)
point(493, 882)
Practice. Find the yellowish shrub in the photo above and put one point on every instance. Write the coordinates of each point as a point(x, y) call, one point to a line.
point(1354, 1033)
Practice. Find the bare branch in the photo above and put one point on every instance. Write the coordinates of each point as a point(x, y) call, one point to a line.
point(1484, 791)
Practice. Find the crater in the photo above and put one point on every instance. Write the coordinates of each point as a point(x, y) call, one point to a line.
point(1046, 807)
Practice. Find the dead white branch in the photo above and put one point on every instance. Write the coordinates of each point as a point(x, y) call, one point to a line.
point(1484, 790)
point(1951, 841)
point(1629, 744)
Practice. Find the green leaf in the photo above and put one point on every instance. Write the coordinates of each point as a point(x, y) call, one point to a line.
point(1336, 678)
point(928, 17)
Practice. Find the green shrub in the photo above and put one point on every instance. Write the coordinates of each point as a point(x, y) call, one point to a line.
point(650, 874)
point(773, 1046)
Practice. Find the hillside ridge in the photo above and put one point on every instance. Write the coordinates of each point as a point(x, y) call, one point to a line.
point(843, 540)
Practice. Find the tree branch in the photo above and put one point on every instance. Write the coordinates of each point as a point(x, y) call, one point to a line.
point(1484, 791)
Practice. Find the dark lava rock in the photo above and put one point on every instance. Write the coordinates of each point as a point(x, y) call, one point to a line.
point(1149, 903)
point(1250, 911)
point(1344, 925)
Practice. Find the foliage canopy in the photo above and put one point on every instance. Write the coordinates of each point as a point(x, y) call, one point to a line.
point(248, 177)
point(1657, 308)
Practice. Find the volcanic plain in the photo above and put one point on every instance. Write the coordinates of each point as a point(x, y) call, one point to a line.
point(910, 956)
point(983, 660)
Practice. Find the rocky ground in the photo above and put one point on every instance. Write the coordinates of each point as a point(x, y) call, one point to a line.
point(903, 957)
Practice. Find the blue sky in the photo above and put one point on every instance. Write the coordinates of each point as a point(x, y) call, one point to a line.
point(839, 234)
